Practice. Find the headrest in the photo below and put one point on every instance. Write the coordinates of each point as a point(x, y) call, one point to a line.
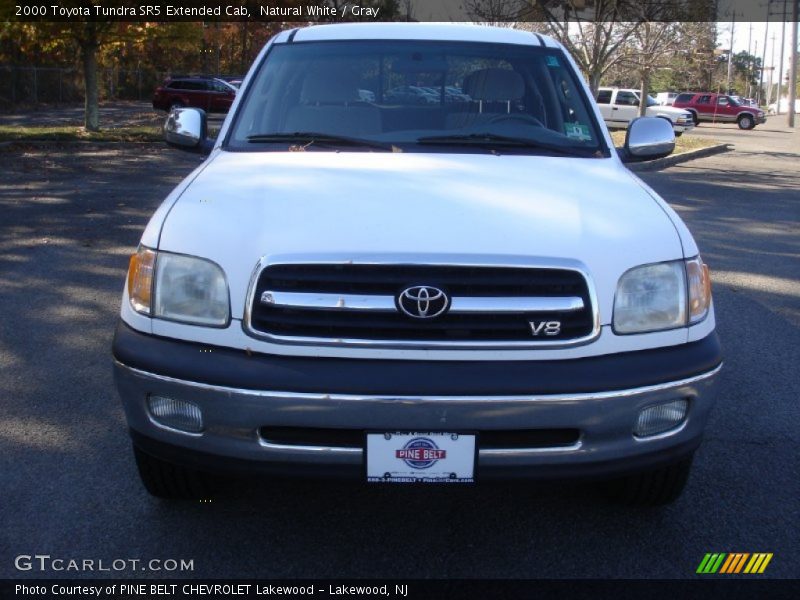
point(493, 85)
point(330, 86)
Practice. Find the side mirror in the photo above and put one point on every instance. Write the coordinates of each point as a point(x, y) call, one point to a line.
point(187, 129)
point(648, 138)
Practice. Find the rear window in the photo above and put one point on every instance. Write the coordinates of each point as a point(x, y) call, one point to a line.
point(188, 85)
point(604, 97)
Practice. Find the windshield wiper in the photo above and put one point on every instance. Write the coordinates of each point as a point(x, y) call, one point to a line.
point(312, 137)
point(495, 140)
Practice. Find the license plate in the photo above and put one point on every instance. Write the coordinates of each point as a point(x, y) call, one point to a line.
point(421, 457)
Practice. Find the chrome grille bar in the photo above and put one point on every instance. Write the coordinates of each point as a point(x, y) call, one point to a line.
point(458, 304)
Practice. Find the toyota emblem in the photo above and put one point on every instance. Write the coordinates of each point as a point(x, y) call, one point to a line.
point(423, 302)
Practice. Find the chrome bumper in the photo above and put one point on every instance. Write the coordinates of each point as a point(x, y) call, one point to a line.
point(233, 418)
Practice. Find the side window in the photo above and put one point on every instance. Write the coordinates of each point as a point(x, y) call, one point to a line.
point(604, 97)
point(704, 100)
point(177, 85)
point(627, 99)
point(722, 101)
point(684, 98)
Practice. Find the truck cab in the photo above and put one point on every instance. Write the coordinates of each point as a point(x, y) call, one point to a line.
point(621, 106)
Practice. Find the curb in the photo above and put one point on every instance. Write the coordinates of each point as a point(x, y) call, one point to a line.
point(668, 161)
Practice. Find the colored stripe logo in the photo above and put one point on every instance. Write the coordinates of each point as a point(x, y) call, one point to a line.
point(734, 563)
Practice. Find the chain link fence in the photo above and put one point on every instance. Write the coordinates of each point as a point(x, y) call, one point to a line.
point(32, 85)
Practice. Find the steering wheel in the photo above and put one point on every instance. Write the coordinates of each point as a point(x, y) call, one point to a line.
point(516, 117)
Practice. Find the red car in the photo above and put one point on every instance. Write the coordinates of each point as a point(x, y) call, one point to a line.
point(719, 108)
point(210, 94)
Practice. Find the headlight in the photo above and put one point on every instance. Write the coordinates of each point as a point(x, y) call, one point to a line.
point(662, 296)
point(651, 298)
point(184, 288)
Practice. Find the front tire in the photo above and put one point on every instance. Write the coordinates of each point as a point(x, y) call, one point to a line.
point(166, 480)
point(652, 488)
point(746, 122)
point(695, 118)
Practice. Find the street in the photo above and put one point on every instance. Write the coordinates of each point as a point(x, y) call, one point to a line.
point(72, 214)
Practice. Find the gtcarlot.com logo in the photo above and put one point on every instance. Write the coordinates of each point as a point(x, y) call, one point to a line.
point(734, 563)
point(45, 562)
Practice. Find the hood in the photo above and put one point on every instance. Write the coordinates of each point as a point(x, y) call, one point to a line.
point(246, 205)
point(667, 111)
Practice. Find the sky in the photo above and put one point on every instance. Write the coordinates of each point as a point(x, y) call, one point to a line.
point(741, 39)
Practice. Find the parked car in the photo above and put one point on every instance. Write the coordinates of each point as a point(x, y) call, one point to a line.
point(666, 98)
point(443, 293)
point(210, 94)
point(234, 80)
point(719, 108)
point(784, 106)
point(620, 106)
point(746, 101)
point(411, 94)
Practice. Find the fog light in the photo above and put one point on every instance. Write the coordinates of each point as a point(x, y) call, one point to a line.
point(177, 414)
point(660, 418)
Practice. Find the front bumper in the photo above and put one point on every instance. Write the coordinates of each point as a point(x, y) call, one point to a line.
point(559, 395)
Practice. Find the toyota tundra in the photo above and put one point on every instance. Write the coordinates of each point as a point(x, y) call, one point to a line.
point(354, 283)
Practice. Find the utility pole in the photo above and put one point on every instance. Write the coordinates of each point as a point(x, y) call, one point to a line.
point(780, 69)
point(763, 58)
point(757, 95)
point(771, 84)
point(750, 63)
point(793, 64)
point(730, 56)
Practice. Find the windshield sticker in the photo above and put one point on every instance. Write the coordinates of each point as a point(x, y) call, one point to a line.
point(577, 131)
point(552, 61)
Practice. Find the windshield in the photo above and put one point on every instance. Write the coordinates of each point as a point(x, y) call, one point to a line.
point(734, 101)
point(416, 96)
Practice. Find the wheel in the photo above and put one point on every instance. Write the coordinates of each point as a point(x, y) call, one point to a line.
point(166, 480)
point(746, 122)
point(695, 118)
point(516, 117)
point(678, 134)
point(652, 488)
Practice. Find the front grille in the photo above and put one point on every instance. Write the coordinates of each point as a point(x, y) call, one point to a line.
point(490, 439)
point(460, 283)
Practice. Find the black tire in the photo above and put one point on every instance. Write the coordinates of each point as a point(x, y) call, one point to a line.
point(652, 488)
point(746, 122)
point(678, 134)
point(166, 480)
point(695, 118)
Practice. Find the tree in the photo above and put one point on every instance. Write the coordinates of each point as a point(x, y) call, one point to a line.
point(592, 31)
point(90, 36)
point(650, 48)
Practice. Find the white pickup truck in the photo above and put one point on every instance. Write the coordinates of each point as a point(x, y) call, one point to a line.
point(360, 284)
point(619, 107)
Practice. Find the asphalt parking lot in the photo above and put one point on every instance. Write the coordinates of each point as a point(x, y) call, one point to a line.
point(72, 214)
